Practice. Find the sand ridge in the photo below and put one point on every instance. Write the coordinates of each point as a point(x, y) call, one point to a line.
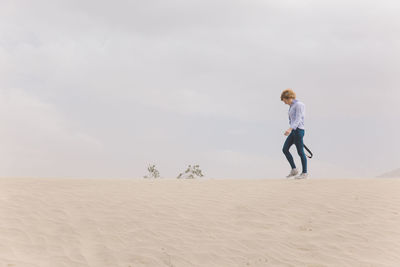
point(204, 222)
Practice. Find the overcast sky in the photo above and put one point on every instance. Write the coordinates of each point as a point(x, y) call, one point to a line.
point(105, 88)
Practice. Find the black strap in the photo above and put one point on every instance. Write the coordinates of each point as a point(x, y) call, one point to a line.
point(309, 151)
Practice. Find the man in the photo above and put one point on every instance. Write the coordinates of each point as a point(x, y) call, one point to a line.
point(295, 133)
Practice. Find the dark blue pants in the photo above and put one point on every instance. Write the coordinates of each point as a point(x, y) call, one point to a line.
point(295, 137)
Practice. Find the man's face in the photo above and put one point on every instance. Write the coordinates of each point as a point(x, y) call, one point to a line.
point(286, 101)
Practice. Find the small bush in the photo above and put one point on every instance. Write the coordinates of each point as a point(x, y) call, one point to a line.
point(153, 172)
point(191, 172)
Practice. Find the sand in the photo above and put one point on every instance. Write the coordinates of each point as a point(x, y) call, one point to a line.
point(204, 222)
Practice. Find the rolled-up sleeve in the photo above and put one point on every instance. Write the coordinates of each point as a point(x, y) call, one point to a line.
point(299, 114)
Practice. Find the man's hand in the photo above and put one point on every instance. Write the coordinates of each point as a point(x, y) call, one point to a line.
point(288, 131)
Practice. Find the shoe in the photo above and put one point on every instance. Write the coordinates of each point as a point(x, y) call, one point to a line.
point(292, 173)
point(302, 176)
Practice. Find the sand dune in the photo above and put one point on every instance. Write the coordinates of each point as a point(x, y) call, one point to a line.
point(207, 222)
point(391, 174)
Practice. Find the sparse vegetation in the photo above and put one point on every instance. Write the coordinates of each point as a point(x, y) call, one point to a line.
point(153, 172)
point(191, 172)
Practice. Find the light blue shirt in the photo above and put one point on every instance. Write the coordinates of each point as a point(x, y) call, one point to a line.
point(297, 112)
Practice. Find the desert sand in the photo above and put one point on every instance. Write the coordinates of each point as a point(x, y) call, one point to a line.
point(199, 222)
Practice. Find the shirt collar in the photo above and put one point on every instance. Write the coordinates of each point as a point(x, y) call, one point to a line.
point(294, 101)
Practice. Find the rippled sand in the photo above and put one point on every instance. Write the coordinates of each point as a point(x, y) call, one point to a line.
point(204, 222)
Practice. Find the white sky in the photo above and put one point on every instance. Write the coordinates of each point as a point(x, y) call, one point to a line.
point(105, 88)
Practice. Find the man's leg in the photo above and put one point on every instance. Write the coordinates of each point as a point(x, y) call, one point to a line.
point(298, 140)
point(288, 143)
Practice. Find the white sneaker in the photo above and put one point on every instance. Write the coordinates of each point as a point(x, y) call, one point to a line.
point(292, 173)
point(301, 176)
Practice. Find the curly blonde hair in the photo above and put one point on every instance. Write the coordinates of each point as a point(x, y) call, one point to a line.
point(288, 93)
